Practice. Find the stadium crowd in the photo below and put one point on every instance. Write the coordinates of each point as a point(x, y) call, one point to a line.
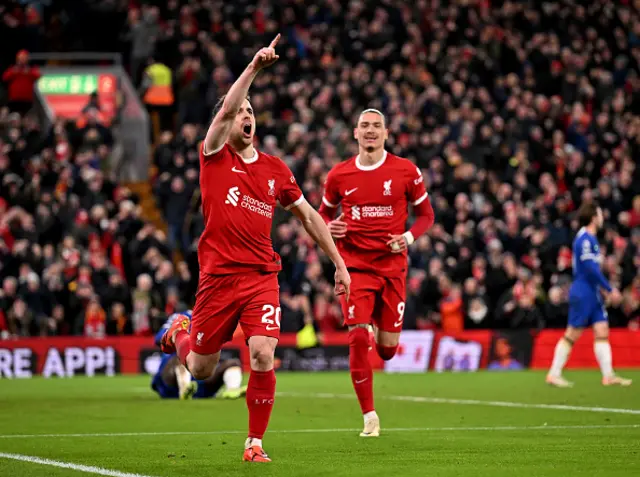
point(516, 111)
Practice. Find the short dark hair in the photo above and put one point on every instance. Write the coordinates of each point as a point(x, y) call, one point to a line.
point(220, 102)
point(587, 212)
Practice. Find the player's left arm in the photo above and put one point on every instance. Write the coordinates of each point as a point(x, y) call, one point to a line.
point(316, 227)
point(591, 265)
point(291, 198)
point(419, 198)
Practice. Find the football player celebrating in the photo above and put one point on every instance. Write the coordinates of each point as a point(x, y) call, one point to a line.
point(374, 189)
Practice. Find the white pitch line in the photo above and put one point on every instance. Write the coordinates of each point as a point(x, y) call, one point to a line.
point(468, 402)
point(89, 469)
point(322, 431)
point(471, 402)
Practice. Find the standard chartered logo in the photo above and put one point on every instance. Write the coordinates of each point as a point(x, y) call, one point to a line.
point(232, 196)
point(253, 205)
point(371, 211)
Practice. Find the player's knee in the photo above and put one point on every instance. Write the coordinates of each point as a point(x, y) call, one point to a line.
point(386, 352)
point(571, 335)
point(201, 369)
point(358, 337)
point(601, 331)
point(262, 358)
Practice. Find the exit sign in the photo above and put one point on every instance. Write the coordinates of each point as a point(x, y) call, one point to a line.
point(67, 94)
point(68, 84)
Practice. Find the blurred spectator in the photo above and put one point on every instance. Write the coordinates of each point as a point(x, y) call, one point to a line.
point(20, 80)
point(94, 320)
point(178, 198)
point(157, 94)
point(143, 34)
point(146, 305)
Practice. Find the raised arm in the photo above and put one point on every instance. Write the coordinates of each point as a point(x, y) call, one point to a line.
point(220, 127)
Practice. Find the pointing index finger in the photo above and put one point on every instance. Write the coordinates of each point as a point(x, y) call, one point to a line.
point(275, 41)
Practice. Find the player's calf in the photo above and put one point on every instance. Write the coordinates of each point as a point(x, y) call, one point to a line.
point(602, 350)
point(261, 391)
point(386, 352)
point(387, 344)
point(362, 379)
point(560, 357)
point(361, 372)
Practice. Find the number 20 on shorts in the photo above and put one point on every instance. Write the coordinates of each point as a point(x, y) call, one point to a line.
point(267, 320)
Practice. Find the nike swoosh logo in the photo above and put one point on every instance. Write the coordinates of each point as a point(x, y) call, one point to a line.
point(351, 191)
point(361, 381)
point(397, 323)
point(237, 170)
point(271, 328)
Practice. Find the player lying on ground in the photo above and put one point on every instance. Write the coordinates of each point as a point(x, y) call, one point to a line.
point(374, 189)
point(586, 306)
point(238, 280)
point(173, 380)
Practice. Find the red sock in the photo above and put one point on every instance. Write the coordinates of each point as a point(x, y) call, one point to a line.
point(361, 372)
point(386, 352)
point(260, 393)
point(183, 346)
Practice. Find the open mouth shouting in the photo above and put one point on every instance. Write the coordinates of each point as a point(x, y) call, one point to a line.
point(246, 130)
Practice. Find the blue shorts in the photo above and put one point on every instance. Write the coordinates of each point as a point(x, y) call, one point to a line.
point(584, 312)
point(172, 392)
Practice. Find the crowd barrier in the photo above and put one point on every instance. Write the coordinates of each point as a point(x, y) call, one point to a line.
point(419, 352)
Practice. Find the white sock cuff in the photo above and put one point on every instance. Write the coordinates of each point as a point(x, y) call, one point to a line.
point(252, 441)
point(370, 415)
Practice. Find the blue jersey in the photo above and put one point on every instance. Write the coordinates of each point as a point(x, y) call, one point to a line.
point(587, 276)
point(585, 302)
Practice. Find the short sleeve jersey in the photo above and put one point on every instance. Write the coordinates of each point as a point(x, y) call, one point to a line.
point(239, 197)
point(375, 202)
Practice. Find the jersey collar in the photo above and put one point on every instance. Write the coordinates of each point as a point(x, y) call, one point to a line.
point(373, 166)
point(252, 159)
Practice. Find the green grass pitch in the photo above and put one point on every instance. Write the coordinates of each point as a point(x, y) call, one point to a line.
point(480, 424)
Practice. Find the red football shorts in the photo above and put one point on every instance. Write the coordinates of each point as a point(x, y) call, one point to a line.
point(222, 301)
point(375, 299)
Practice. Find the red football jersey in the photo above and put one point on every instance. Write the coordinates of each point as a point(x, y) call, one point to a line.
point(239, 197)
point(375, 203)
